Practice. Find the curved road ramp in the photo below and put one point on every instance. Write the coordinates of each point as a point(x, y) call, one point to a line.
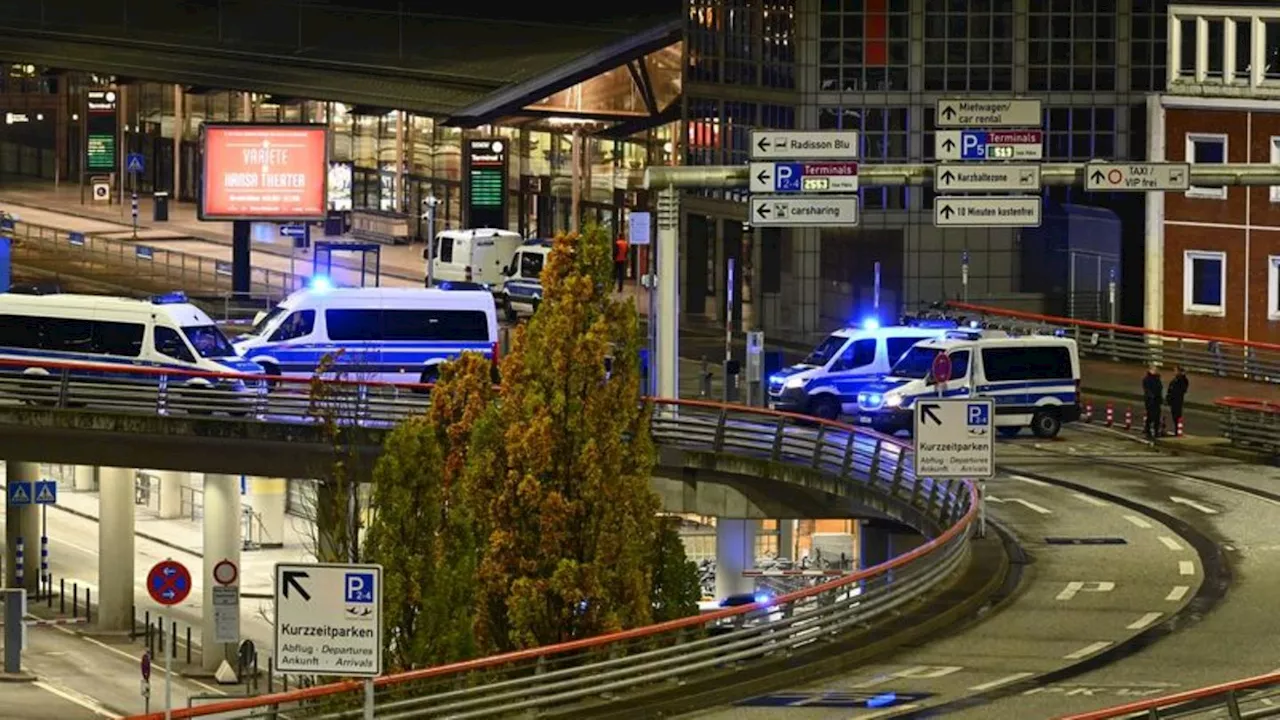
point(75, 413)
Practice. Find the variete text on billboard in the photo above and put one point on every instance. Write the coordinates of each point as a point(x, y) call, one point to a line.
point(275, 172)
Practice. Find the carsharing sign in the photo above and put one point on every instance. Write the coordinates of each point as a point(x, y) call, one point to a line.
point(954, 438)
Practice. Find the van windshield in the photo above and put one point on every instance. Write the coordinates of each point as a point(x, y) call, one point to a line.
point(209, 341)
point(531, 265)
point(262, 324)
point(915, 364)
point(826, 350)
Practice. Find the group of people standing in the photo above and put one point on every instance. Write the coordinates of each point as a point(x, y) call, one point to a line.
point(1154, 395)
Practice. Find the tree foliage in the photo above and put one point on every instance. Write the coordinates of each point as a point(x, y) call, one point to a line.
point(333, 401)
point(424, 531)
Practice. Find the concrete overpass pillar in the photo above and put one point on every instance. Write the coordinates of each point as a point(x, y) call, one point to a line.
point(170, 505)
point(85, 477)
point(179, 128)
point(221, 542)
point(115, 548)
point(873, 544)
point(735, 552)
point(786, 539)
point(268, 497)
point(22, 529)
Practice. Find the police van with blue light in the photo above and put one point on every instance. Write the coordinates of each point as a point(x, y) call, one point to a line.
point(522, 279)
point(826, 383)
point(386, 334)
point(163, 332)
point(1033, 381)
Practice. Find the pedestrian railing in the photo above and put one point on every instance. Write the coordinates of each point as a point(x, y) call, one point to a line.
point(1224, 357)
point(1255, 697)
point(143, 262)
point(1249, 423)
point(617, 668)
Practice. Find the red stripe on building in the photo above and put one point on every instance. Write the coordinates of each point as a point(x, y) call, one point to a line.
point(875, 33)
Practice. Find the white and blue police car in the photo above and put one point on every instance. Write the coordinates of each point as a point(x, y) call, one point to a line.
point(1034, 381)
point(826, 383)
point(522, 279)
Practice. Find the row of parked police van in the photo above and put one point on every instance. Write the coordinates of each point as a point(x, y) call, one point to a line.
point(877, 374)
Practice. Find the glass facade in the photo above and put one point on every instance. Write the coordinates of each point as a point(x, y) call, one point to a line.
point(968, 45)
point(1071, 45)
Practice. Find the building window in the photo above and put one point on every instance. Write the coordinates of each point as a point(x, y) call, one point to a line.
point(968, 45)
point(1204, 283)
point(1079, 133)
point(1071, 46)
point(1275, 158)
point(865, 46)
point(1273, 287)
point(883, 133)
point(1207, 149)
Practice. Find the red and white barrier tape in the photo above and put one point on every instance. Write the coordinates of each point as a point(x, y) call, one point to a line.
point(792, 573)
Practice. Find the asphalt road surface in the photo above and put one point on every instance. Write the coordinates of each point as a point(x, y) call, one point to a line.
point(1078, 605)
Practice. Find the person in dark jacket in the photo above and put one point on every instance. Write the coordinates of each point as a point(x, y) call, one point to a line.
point(1178, 387)
point(1152, 394)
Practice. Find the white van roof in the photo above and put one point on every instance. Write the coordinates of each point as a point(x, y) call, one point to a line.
point(377, 296)
point(478, 232)
point(1004, 341)
point(72, 305)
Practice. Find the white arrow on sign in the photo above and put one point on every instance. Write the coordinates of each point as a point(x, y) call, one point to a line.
point(1025, 503)
point(1193, 504)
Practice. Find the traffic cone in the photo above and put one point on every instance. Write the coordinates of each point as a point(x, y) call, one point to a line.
point(1111, 415)
point(1128, 418)
point(1178, 428)
point(1088, 412)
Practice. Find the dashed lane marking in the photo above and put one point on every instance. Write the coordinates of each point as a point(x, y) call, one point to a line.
point(981, 687)
point(1170, 543)
point(1089, 499)
point(1143, 621)
point(1177, 593)
point(1186, 567)
point(1087, 650)
point(1138, 522)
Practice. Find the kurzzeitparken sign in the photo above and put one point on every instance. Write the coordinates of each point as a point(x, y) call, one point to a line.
point(264, 172)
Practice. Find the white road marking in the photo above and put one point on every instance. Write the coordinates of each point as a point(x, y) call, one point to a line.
point(1170, 543)
point(1137, 521)
point(1002, 681)
point(155, 667)
point(887, 713)
point(1077, 586)
point(1193, 504)
point(1177, 593)
point(1186, 567)
point(1143, 621)
point(1030, 481)
point(83, 701)
point(1024, 503)
point(1091, 500)
point(1087, 650)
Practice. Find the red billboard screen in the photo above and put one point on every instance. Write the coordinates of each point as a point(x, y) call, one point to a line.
point(264, 172)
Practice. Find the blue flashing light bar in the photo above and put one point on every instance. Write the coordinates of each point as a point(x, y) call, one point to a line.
point(177, 297)
point(882, 700)
point(320, 283)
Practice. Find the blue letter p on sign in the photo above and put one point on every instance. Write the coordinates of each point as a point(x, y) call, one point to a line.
point(977, 415)
point(359, 588)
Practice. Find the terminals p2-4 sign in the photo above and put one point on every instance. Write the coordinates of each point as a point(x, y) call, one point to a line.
point(954, 438)
point(328, 619)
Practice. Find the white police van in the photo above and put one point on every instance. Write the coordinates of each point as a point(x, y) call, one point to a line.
point(826, 383)
point(165, 332)
point(522, 283)
point(387, 334)
point(1034, 381)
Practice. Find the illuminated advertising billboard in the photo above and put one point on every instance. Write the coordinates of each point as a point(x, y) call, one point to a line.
point(264, 172)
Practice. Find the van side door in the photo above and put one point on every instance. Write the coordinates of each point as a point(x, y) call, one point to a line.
point(854, 367)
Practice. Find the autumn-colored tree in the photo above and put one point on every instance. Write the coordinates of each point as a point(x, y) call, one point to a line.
point(333, 404)
point(562, 465)
point(676, 588)
point(423, 529)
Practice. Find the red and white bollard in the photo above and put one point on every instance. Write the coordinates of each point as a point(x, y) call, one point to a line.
point(1128, 419)
point(1111, 415)
point(1178, 427)
point(1088, 412)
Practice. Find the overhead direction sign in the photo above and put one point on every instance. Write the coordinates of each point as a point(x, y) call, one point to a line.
point(954, 438)
point(804, 210)
point(992, 177)
point(804, 177)
point(328, 619)
point(804, 144)
point(988, 145)
point(1137, 177)
point(977, 211)
point(988, 112)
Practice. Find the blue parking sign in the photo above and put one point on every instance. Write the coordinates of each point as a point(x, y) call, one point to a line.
point(978, 414)
point(359, 587)
point(788, 177)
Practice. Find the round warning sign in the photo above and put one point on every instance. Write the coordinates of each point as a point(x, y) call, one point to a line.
point(225, 572)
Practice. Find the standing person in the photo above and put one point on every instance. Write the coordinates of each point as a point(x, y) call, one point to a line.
point(1178, 387)
point(1152, 393)
point(620, 249)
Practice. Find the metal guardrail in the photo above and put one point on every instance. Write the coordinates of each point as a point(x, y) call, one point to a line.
point(1247, 699)
point(172, 268)
point(1224, 357)
point(606, 669)
point(1250, 424)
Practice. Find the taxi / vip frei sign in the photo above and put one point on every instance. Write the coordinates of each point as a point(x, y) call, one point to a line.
point(328, 619)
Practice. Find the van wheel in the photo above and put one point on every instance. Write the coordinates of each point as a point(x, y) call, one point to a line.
point(1045, 424)
point(824, 407)
point(430, 375)
point(1009, 432)
point(272, 371)
point(536, 303)
point(510, 313)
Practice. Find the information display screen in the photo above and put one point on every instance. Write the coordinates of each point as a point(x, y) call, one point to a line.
point(486, 160)
point(264, 172)
point(101, 127)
